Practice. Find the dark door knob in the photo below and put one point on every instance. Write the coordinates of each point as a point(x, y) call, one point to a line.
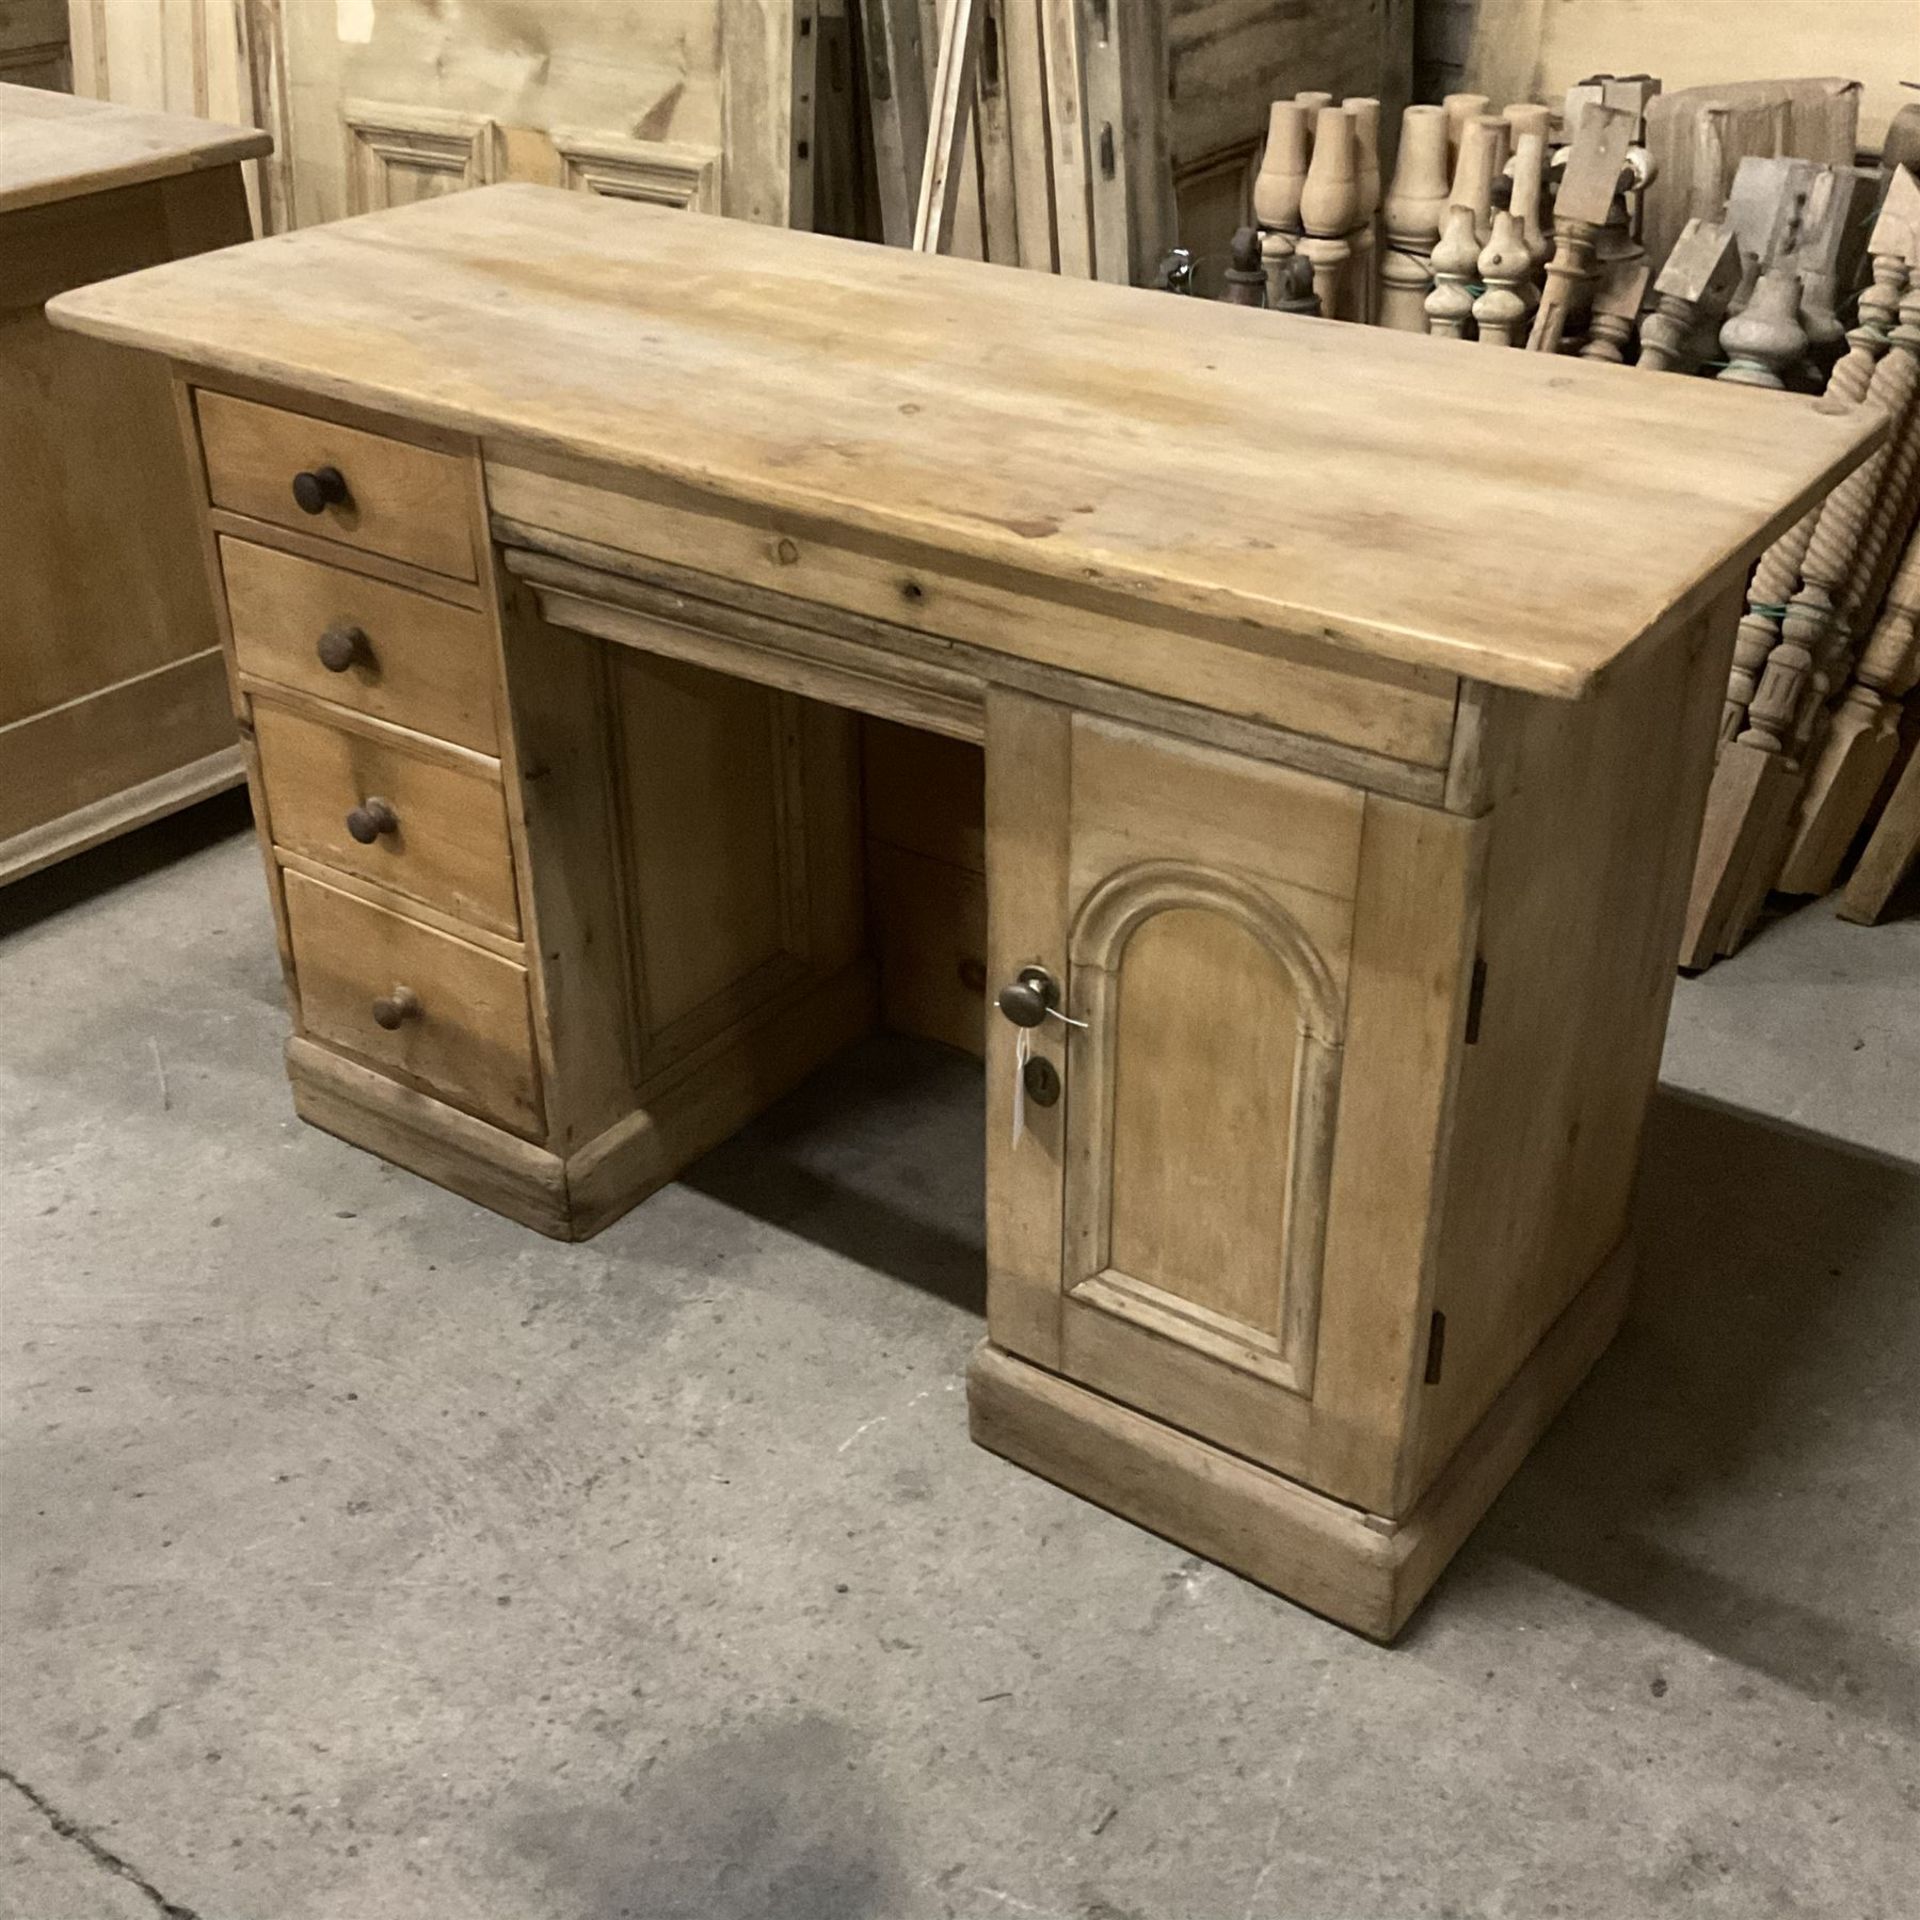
point(1033, 995)
point(319, 488)
point(371, 818)
point(341, 645)
point(393, 1010)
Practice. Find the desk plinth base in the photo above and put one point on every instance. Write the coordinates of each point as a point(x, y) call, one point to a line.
point(1363, 1571)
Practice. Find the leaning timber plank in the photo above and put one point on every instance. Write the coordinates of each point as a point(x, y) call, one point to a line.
point(950, 118)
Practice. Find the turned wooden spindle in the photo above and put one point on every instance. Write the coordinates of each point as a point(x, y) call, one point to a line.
point(1779, 570)
point(1460, 108)
point(1618, 295)
point(1414, 209)
point(1862, 738)
point(1283, 168)
point(1289, 276)
point(1505, 261)
point(1890, 853)
point(1499, 140)
point(1587, 192)
point(1456, 259)
point(1807, 634)
point(1528, 116)
point(1761, 775)
point(1695, 285)
point(1528, 172)
point(1365, 278)
point(1314, 102)
point(1330, 208)
point(1475, 171)
point(1766, 341)
point(1893, 506)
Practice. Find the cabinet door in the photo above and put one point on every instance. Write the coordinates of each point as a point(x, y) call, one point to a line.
point(692, 103)
point(1171, 1232)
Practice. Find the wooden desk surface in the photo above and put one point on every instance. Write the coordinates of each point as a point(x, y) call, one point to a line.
point(55, 146)
point(1519, 519)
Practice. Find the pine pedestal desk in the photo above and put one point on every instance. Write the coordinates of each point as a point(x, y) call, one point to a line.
point(1348, 703)
point(113, 699)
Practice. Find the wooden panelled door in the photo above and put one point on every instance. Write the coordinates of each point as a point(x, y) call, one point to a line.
point(1158, 1231)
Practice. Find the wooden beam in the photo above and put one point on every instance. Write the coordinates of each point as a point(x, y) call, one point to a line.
point(897, 98)
point(950, 119)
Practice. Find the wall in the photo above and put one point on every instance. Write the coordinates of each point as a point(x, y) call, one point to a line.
point(1514, 49)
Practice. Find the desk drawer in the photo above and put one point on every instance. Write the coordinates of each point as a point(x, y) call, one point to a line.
point(460, 1021)
point(438, 826)
point(399, 656)
point(405, 502)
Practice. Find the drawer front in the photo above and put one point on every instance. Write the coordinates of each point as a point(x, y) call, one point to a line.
point(1300, 683)
point(442, 827)
point(464, 1030)
point(405, 502)
point(930, 925)
point(397, 655)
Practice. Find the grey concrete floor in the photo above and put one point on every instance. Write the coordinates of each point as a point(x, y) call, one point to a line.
point(1815, 1024)
point(368, 1557)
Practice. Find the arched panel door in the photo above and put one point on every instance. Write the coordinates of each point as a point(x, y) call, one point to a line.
point(1200, 1121)
point(1158, 1234)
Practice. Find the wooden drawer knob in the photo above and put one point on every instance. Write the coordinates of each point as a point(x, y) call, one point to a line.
point(319, 488)
point(341, 645)
point(371, 818)
point(393, 1010)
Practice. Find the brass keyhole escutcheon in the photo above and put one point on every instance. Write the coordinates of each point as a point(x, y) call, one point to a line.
point(1042, 1079)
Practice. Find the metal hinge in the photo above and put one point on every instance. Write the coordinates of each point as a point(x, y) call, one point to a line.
point(1436, 1347)
point(1476, 1000)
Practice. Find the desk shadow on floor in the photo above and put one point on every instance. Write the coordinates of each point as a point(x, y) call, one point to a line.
point(1739, 1468)
point(879, 1158)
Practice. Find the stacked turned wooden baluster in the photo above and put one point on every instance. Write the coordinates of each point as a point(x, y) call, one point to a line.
point(1804, 749)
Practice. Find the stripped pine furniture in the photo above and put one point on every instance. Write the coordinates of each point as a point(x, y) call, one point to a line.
point(1795, 642)
point(113, 705)
point(559, 544)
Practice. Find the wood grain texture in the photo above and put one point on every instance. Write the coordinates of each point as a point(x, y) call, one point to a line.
point(1029, 773)
point(1296, 682)
point(450, 846)
point(1589, 858)
point(56, 146)
point(1204, 928)
point(421, 662)
point(884, 670)
point(405, 502)
point(930, 938)
point(130, 805)
point(1367, 1572)
point(1408, 992)
point(794, 372)
point(471, 1040)
point(110, 674)
point(411, 1129)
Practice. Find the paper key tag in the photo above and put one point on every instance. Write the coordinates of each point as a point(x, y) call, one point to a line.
point(1022, 1053)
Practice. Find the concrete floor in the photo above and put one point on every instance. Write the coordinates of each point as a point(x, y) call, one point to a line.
point(370, 1558)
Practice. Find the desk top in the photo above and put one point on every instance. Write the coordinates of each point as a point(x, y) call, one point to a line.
point(56, 146)
point(1520, 519)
